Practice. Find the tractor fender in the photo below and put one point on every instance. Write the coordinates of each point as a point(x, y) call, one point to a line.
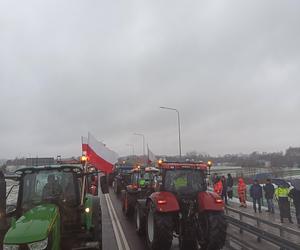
point(164, 202)
point(210, 201)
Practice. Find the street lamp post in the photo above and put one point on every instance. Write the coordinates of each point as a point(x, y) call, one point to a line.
point(179, 133)
point(142, 135)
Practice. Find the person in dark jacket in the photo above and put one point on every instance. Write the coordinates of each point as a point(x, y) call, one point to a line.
point(295, 195)
point(224, 190)
point(229, 184)
point(269, 194)
point(256, 195)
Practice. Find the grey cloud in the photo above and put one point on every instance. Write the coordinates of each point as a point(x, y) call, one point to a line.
point(231, 68)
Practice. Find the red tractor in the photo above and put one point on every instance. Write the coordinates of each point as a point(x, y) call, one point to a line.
point(141, 187)
point(182, 207)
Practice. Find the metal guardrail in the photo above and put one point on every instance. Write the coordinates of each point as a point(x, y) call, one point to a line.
point(260, 233)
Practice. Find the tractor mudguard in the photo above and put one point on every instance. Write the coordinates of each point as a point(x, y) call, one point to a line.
point(165, 202)
point(210, 201)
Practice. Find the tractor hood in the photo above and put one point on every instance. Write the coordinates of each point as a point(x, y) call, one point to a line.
point(33, 226)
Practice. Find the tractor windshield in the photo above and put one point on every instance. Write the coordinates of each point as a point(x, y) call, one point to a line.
point(184, 181)
point(45, 185)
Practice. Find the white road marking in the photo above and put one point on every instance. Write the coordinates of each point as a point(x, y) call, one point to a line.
point(119, 244)
point(116, 225)
point(119, 225)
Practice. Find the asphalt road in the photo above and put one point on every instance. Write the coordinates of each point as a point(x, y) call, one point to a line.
point(110, 240)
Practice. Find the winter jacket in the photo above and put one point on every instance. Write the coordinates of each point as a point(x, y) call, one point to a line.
point(256, 191)
point(269, 191)
point(218, 187)
point(241, 187)
point(281, 192)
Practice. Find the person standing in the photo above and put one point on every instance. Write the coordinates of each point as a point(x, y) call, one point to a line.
point(224, 189)
point(282, 196)
point(295, 195)
point(218, 186)
point(242, 188)
point(229, 184)
point(269, 194)
point(256, 195)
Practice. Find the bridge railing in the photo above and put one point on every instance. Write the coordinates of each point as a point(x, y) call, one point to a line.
point(283, 237)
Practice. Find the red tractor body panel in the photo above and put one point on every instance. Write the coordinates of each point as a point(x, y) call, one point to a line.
point(209, 201)
point(165, 201)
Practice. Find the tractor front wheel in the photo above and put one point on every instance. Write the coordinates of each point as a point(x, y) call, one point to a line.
point(139, 220)
point(127, 208)
point(213, 227)
point(159, 229)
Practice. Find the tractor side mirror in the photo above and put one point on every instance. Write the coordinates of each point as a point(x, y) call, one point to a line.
point(2, 201)
point(104, 184)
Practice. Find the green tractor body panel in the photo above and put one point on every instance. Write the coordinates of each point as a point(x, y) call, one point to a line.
point(88, 215)
point(35, 225)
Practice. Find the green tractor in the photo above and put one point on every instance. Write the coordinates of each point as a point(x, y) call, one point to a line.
point(54, 209)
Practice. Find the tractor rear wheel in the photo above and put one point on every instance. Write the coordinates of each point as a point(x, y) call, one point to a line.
point(213, 226)
point(97, 221)
point(159, 229)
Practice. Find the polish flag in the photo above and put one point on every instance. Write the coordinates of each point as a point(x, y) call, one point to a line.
point(84, 143)
point(98, 154)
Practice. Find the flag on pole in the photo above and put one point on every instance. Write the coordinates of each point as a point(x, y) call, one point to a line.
point(98, 154)
point(151, 156)
point(84, 143)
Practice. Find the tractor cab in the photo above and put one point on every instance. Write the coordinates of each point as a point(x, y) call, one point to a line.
point(54, 205)
point(184, 179)
point(122, 178)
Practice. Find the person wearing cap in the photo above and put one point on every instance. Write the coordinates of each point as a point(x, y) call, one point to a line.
point(256, 195)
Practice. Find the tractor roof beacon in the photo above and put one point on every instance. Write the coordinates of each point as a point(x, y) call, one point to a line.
point(54, 209)
point(182, 207)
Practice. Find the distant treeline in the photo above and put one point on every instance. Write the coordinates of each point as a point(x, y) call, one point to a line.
point(291, 158)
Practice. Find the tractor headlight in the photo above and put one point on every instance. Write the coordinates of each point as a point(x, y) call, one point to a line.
point(39, 245)
point(10, 247)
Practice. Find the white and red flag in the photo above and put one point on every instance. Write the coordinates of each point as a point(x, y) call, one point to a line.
point(98, 154)
point(151, 156)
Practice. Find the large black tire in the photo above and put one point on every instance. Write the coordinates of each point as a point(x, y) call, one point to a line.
point(214, 227)
point(139, 220)
point(97, 221)
point(127, 208)
point(159, 229)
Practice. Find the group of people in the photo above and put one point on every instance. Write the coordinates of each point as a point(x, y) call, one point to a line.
point(282, 194)
point(223, 187)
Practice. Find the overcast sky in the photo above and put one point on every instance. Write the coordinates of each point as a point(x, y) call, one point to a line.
point(68, 67)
